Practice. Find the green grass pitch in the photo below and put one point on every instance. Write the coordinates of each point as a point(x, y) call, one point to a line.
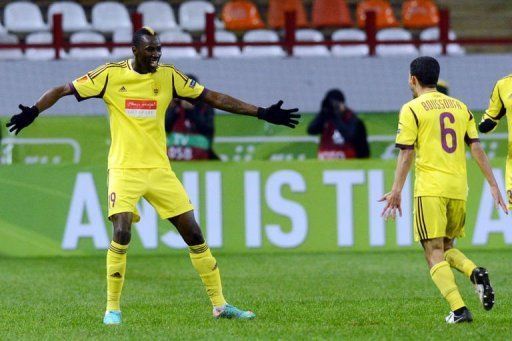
point(343, 295)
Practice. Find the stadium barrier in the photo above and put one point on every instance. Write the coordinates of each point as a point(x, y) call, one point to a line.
point(287, 43)
point(309, 206)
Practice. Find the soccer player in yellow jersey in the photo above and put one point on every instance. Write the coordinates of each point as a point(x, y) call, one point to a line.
point(500, 104)
point(137, 93)
point(435, 127)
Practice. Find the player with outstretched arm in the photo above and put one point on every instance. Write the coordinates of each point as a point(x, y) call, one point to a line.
point(137, 93)
point(432, 129)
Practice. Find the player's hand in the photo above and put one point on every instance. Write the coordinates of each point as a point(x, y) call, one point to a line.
point(274, 114)
point(498, 199)
point(23, 119)
point(393, 201)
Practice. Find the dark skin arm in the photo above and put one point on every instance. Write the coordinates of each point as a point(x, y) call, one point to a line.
point(227, 103)
point(51, 96)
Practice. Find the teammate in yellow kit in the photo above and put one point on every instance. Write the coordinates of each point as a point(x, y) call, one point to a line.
point(137, 93)
point(500, 104)
point(435, 127)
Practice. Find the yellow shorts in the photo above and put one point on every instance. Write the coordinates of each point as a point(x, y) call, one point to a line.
point(437, 217)
point(159, 186)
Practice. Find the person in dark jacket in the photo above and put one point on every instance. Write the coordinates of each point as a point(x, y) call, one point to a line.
point(343, 134)
point(190, 130)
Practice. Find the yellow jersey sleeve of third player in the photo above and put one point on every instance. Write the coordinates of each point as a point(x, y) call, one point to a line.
point(407, 132)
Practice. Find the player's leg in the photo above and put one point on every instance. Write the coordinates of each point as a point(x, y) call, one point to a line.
point(444, 279)
point(430, 229)
point(167, 195)
point(206, 266)
point(116, 265)
point(479, 276)
point(125, 189)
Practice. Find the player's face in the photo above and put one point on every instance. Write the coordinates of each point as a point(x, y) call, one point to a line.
point(148, 53)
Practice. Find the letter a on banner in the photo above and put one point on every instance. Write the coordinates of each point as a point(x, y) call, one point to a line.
point(85, 203)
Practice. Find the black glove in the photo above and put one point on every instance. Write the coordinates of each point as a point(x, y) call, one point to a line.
point(274, 114)
point(486, 126)
point(23, 119)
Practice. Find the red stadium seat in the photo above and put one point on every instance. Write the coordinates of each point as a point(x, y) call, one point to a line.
point(385, 16)
point(277, 9)
point(419, 14)
point(241, 15)
point(331, 13)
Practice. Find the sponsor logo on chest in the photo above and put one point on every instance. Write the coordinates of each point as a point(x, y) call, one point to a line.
point(140, 108)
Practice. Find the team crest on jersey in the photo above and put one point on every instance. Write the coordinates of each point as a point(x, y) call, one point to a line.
point(155, 91)
point(83, 79)
point(509, 194)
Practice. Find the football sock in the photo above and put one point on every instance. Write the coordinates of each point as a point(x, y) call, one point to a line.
point(206, 265)
point(116, 268)
point(442, 276)
point(459, 261)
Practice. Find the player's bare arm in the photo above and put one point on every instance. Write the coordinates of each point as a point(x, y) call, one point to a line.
point(394, 198)
point(29, 114)
point(483, 162)
point(273, 114)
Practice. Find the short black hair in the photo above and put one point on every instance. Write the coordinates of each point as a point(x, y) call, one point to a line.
point(426, 70)
point(335, 95)
point(145, 31)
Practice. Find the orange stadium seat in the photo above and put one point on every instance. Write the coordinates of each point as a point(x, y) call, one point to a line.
point(241, 15)
point(277, 9)
point(331, 13)
point(385, 16)
point(419, 14)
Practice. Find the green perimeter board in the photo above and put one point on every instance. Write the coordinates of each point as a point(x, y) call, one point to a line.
point(36, 200)
point(92, 135)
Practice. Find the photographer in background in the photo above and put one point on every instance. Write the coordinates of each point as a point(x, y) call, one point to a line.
point(190, 130)
point(343, 134)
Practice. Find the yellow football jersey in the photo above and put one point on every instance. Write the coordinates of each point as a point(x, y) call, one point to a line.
point(500, 104)
point(437, 126)
point(136, 105)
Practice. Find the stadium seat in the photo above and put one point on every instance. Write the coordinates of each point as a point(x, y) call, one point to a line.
point(278, 8)
point(158, 15)
point(14, 53)
point(73, 16)
point(241, 15)
point(262, 51)
point(192, 15)
point(177, 52)
point(41, 53)
point(383, 10)
point(310, 51)
point(395, 50)
point(436, 49)
point(23, 17)
point(122, 36)
point(109, 16)
point(331, 13)
point(349, 34)
point(88, 52)
point(419, 14)
point(223, 51)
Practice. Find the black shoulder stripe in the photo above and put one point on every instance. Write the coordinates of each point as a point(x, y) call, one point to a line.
point(185, 78)
point(415, 117)
point(96, 74)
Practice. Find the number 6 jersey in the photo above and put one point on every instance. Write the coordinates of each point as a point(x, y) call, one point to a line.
point(437, 126)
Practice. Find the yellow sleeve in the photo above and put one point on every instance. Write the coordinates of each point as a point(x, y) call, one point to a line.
point(91, 85)
point(185, 87)
point(407, 128)
point(471, 132)
point(496, 109)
